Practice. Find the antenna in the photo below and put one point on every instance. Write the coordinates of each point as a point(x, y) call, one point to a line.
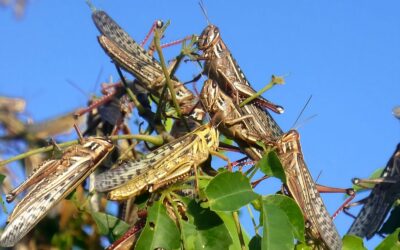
point(203, 9)
point(98, 79)
point(77, 87)
point(319, 175)
point(305, 121)
point(301, 112)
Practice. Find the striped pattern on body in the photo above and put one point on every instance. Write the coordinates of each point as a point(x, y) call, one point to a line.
point(380, 201)
point(161, 167)
point(304, 191)
point(222, 67)
point(76, 163)
point(133, 58)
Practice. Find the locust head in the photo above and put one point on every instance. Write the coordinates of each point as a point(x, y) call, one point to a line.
point(209, 37)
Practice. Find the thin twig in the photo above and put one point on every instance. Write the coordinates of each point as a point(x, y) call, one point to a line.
point(252, 219)
point(178, 217)
point(239, 230)
point(275, 80)
point(156, 140)
point(167, 76)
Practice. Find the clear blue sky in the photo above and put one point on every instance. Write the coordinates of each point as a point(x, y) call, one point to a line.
point(346, 54)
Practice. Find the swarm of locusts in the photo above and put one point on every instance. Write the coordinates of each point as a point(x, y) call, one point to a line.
point(162, 177)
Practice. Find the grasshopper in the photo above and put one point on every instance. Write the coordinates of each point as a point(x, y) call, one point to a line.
point(130, 56)
point(223, 68)
point(379, 202)
point(239, 126)
point(247, 125)
point(301, 186)
point(161, 167)
point(235, 124)
point(49, 183)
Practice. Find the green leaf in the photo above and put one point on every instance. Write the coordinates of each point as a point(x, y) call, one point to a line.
point(271, 166)
point(229, 191)
point(2, 177)
point(226, 140)
point(204, 229)
point(292, 211)
point(168, 124)
point(255, 243)
point(3, 206)
point(352, 242)
point(230, 224)
point(160, 230)
point(277, 230)
point(303, 246)
point(108, 224)
point(393, 222)
point(262, 145)
point(391, 242)
point(257, 205)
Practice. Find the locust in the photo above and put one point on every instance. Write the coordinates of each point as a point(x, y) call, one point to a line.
point(133, 58)
point(300, 185)
point(222, 67)
point(50, 182)
point(378, 204)
point(247, 125)
point(167, 164)
point(235, 124)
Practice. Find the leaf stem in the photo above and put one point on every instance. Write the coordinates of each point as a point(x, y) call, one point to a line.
point(167, 76)
point(275, 80)
point(156, 140)
point(252, 219)
point(239, 230)
point(178, 217)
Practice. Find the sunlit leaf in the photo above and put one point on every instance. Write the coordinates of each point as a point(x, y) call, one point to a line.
point(292, 211)
point(229, 191)
point(303, 246)
point(271, 166)
point(351, 242)
point(168, 124)
point(3, 206)
point(391, 242)
point(160, 230)
point(277, 230)
point(227, 218)
point(226, 140)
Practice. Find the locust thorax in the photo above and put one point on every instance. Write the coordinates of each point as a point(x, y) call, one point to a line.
point(209, 96)
point(289, 142)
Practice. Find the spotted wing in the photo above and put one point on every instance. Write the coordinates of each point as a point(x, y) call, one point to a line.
point(42, 197)
point(126, 171)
